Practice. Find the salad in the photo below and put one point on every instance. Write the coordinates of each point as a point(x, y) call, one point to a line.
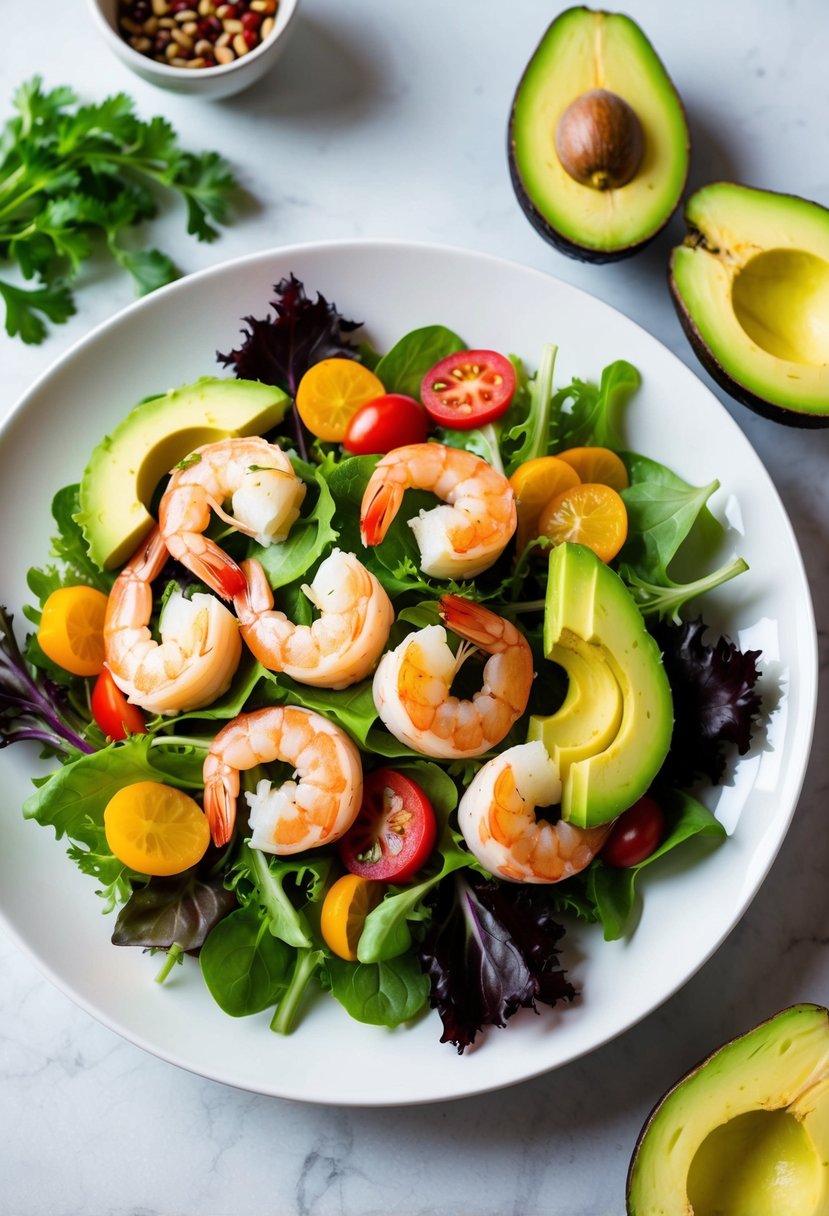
point(325, 789)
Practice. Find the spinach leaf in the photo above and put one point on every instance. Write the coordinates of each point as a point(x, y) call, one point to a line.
point(403, 367)
point(382, 994)
point(613, 890)
point(586, 414)
point(662, 511)
point(351, 708)
point(246, 969)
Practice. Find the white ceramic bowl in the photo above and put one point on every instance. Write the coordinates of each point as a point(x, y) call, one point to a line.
point(221, 81)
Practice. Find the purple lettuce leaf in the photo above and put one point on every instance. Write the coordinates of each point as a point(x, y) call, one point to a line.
point(489, 952)
point(715, 703)
point(279, 350)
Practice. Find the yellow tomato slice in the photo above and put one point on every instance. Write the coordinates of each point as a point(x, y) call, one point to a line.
point(344, 912)
point(588, 514)
point(331, 392)
point(156, 829)
point(597, 465)
point(71, 630)
point(535, 483)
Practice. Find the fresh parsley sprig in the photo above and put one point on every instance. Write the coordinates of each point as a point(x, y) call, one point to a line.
point(71, 175)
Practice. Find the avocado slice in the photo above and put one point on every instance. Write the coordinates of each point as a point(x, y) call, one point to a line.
point(751, 288)
point(125, 468)
point(746, 1132)
point(591, 618)
point(584, 51)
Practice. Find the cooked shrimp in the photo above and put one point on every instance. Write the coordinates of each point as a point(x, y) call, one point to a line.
point(338, 648)
point(412, 683)
point(497, 816)
point(303, 814)
point(265, 496)
point(199, 649)
point(467, 532)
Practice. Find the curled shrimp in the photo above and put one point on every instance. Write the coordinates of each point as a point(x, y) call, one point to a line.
point(412, 683)
point(199, 649)
point(497, 816)
point(265, 496)
point(338, 648)
point(315, 809)
point(471, 527)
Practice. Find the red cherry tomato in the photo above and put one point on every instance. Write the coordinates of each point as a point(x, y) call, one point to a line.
point(394, 832)
point(635, 834)
point(384, 423)
point(113, 712)
point(468, 389)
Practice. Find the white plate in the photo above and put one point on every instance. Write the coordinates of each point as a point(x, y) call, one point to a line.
point(171, 338)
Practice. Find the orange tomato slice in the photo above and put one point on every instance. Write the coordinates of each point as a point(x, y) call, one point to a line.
point(588, 514)
point(71, 630)
point(156, 829)
point(344, 911)
point(534, 483)
point(331, 392)
point(597, 465)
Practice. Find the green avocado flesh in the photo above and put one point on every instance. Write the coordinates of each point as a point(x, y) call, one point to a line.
point(747, 1132)
point(584, 50)
point(126, 467)
point(751, 287)
point(613, 730)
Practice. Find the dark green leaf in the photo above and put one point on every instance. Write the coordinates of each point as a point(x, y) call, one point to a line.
point(403, 367)
point(381, 994)
point(245, 968)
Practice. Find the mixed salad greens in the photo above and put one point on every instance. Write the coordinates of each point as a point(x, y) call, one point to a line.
point(451, 935)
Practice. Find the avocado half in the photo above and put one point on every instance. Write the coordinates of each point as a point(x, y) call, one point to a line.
point(751, 288)
point(585, 50)
point(746, 1133)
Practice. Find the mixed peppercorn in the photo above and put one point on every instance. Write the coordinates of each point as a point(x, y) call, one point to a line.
point(195, 33)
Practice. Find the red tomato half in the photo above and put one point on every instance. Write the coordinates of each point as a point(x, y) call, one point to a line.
point(635, 834)
point(113, 712)
point(384, 423)
point(468, 389)
point(394, 832)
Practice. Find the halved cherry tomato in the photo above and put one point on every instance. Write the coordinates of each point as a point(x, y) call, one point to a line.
point(588, 514)
point(468, 389)
point(330, 393)
point(113, 712)
point(597, 465)
point(384, 423)
point(635, 835)
point(156, 829)
point(344, 911)
point(71, 630)
point(394, 832)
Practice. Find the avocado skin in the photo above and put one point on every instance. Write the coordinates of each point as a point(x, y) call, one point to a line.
point(634, 1202)
point(543, 227)
point(766, 409)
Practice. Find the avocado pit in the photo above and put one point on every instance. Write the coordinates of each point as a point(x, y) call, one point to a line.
point(599, 140)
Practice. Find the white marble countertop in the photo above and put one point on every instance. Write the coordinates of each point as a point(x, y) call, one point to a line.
point(389, 120)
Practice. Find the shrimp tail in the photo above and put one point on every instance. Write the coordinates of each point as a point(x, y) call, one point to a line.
point(220, 809)
point(218, 571)
point(471, 621)
point(379, 507)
